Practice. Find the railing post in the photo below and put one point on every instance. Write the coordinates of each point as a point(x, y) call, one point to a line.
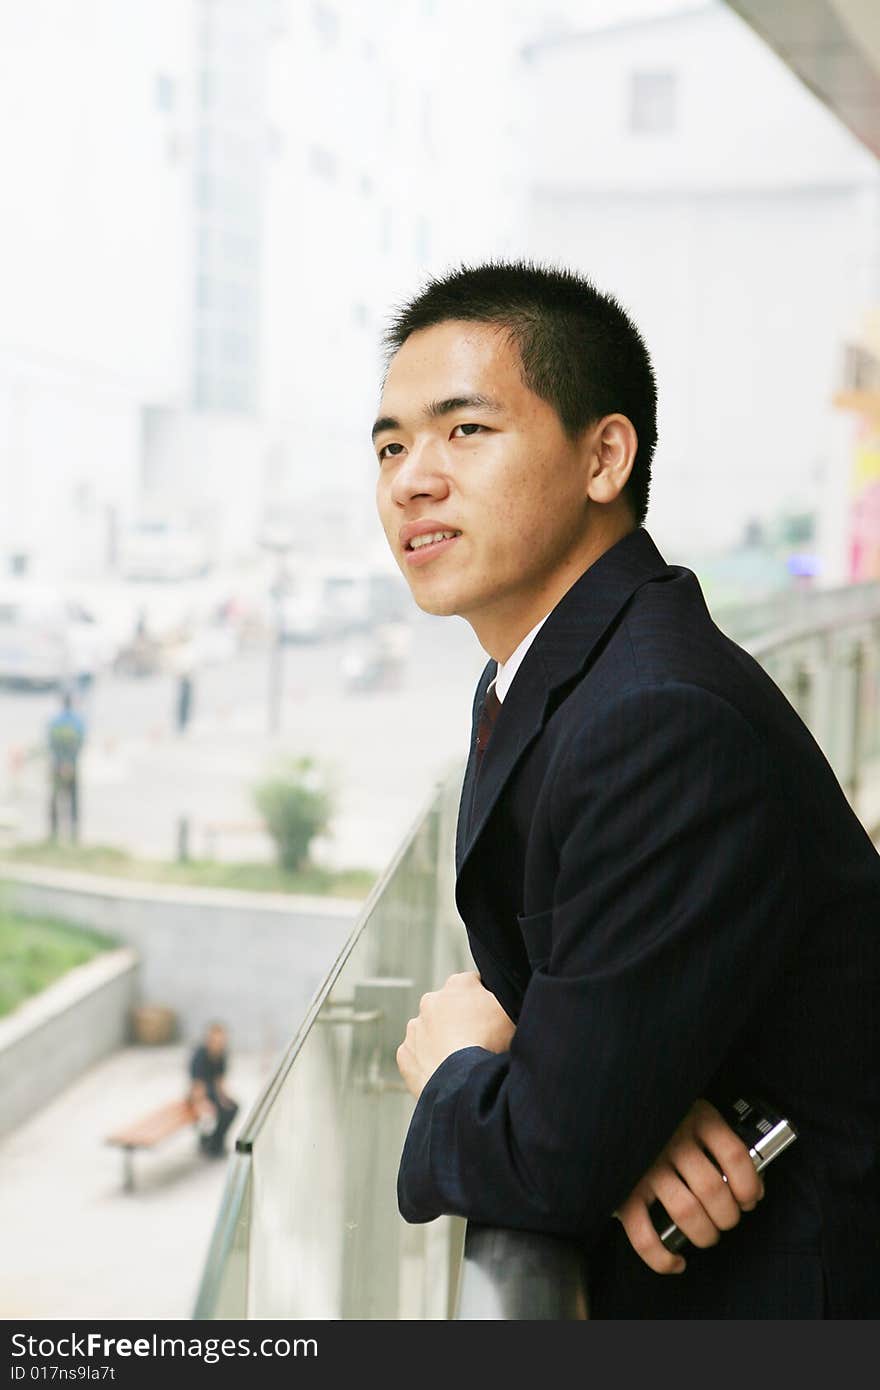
point(858, 668)
point(371, 1263)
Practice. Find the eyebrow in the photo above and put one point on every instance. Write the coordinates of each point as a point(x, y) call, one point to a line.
point(436, 409)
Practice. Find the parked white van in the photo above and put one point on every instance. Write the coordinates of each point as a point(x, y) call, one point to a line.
point(49, 639)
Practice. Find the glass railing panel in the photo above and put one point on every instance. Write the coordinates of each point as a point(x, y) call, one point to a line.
point(326, 1240)
point(224, 1288)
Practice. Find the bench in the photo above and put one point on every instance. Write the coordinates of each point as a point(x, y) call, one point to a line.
point(151, 1130)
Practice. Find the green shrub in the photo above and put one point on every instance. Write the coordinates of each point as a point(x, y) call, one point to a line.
point(296, 806)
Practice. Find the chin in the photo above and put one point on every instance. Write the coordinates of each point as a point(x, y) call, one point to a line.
point(439, 605)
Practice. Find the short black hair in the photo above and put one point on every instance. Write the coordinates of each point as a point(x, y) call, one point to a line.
point(579, 348)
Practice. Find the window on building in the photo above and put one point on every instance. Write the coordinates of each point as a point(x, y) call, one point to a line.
point(205, 191)
point(235, 349)
point(240, 249)
point(427, 131)
point(652, 102)
point(326, 22)
point(164, 92)
point(322, 162)
point(208, 88)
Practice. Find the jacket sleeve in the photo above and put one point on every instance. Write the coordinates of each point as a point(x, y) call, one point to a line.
point(673, 910)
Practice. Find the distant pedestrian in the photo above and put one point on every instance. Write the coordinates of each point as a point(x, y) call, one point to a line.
point(184, 699)
point(185, 667)
point(207, 1069)
point(66, 735)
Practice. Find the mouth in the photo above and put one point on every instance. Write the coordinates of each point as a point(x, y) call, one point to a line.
point(420, 549)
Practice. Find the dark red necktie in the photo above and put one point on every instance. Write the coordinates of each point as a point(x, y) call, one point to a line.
point(488, 715)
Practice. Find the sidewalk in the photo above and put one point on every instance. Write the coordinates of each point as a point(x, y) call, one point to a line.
point(75, 1245)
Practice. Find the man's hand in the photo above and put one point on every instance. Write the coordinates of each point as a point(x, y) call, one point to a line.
point(461, 1014)
point(692, 1189)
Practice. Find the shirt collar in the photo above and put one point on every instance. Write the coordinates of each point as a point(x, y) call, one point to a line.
point(505, 674)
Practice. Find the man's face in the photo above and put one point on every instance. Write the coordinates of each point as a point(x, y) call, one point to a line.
point(216, 1041)
point(465, 447)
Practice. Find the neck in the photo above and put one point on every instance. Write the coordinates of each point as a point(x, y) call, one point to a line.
point(500, 631)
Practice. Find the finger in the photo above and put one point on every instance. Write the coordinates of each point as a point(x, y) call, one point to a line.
point(730, 1153)
point(427, 1003)
point(642, 1236)
point(685, 1209)
point(707, 1184)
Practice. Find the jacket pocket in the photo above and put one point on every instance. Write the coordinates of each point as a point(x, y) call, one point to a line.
point(537, 933)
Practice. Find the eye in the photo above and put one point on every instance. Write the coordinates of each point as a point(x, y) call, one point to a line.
point(468, 430)
point(384, 451)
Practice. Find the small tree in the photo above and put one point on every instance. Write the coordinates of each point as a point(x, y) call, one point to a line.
point(296, 807)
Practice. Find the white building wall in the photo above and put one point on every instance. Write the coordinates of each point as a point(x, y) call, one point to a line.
point(741, 239)
point(743, 300)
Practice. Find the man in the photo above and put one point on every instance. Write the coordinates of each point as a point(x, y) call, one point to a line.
point(207, 1092)
point(66, 736)
point(666, 893)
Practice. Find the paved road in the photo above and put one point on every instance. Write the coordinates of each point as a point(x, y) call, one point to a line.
point(385, 749)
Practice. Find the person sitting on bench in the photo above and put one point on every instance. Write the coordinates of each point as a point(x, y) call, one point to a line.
point(207, 1068)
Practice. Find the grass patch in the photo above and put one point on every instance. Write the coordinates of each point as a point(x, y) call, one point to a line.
point(35, 951)
point(197, 873)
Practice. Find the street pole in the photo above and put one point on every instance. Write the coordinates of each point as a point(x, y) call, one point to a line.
point(276, 675)
point(276, 647)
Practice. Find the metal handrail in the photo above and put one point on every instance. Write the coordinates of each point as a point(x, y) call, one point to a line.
point(779, 639)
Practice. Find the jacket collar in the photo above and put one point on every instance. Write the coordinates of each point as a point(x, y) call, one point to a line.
point(560, 651)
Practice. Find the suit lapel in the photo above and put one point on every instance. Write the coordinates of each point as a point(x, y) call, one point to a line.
point(558, 654)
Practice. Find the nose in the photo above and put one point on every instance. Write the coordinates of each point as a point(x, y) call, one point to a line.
point(418, 475)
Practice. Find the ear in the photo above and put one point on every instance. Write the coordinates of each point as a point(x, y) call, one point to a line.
point(612, 448)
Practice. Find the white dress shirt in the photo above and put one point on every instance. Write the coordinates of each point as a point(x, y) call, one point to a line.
point(505, 674)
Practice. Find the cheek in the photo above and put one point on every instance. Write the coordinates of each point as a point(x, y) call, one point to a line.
point(516, 520)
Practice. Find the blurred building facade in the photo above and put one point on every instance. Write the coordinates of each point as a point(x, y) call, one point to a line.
point(216, 205)
point(743, 234)
point(94, 204)
point(210, 207)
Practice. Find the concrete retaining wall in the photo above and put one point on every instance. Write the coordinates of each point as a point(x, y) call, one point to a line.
point(51, 1038)
point(252, 960)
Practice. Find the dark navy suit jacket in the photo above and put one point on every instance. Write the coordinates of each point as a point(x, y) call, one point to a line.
point(665, 887)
